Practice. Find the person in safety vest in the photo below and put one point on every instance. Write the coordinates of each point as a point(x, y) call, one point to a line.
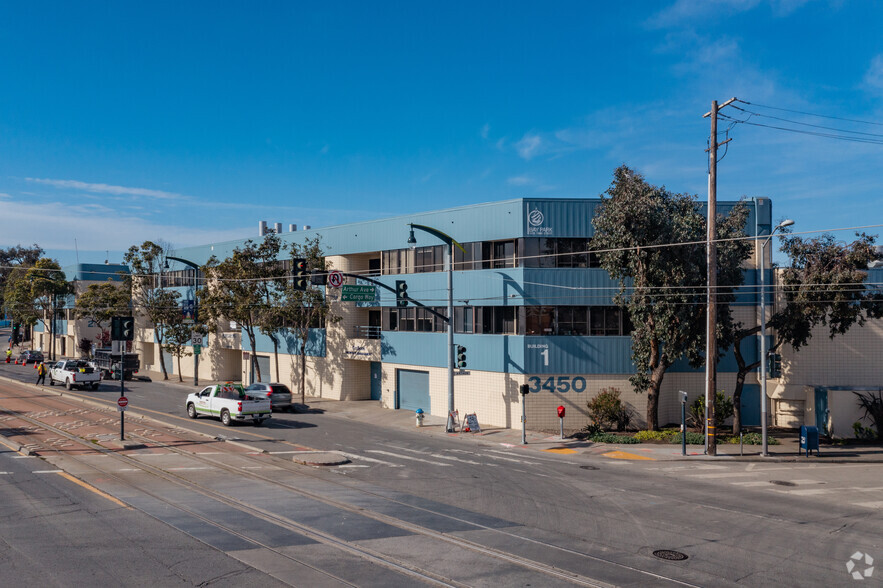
point(41, 373)
point(8, 355)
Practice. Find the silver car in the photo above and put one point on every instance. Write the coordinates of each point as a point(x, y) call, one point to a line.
point(279, 394)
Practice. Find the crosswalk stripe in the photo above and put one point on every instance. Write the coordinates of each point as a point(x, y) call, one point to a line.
point(372, 460)
point(408, 457)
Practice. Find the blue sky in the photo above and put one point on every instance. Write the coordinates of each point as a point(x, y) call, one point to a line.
point(189, 122)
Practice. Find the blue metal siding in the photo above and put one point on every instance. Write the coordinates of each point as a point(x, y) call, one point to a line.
point(288, 343)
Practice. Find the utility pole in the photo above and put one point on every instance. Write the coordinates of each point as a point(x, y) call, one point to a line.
point(711, 262)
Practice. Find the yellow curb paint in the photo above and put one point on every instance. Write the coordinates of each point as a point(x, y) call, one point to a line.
point(93, 489)
point(626, 455)
point(562, 450)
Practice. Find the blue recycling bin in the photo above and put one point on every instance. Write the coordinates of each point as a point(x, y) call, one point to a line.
point(809, 439)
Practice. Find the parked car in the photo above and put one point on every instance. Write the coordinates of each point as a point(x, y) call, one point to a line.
point(74, 373)
point(28, 356)
point(230, 403)
point(279, 394)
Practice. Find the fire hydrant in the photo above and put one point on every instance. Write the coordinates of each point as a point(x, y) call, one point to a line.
point(419, 417)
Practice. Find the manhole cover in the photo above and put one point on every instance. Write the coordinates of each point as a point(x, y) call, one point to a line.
point(588, 468)
point(782, 483)
point(670, 555)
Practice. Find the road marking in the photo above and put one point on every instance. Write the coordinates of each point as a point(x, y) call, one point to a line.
point(748, 484)
point(183, 469)
point(869, 504)
point(371, 459)
point(5, 473)
point(92, 488)
point(537, 457)
point(807, 492)
point(560, 450)
point(626, 455)
point(723, 475)
point(48, 472)
point(438, 463)
point(440, 456)
point(353, 465)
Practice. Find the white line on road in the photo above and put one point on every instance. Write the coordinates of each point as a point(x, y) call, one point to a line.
point(752, 483)
point(869, 504)
point(378, 451)
point(722, 475)
point(536, 457)
point(807, 492)
point(440, 456)
point(371, 459)
point(47, 471)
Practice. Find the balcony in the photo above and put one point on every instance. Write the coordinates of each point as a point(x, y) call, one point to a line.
point(363, 343)
point(365, 332)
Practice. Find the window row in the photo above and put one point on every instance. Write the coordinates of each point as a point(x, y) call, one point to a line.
point(526, 252)
point(512, 320)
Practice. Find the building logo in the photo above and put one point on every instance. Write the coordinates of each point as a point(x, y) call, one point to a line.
point(535, 220)
point(852, 566)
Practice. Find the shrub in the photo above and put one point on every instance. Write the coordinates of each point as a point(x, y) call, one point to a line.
point(862, 432)
point(655, 435)
point(747, 439)
point(607, 410)
point(692, 438)
point(723, 409)
point(873, 406)
point(612, 438)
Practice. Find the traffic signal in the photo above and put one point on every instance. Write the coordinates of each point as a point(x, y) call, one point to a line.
point(122, 328)
point(775, 370)
point(461, 357)
point(319, 278)
point(524, 389)
point(127, 329)
point(301, 275)
point(401, 293)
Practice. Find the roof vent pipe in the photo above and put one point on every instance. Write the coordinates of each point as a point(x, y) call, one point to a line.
point(262, 228)
point(278, 228)
point(307, 227)
point(292, 228)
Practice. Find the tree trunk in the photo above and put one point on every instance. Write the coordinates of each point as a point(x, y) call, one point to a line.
point(162, 359)
point(254, 356)
point(180, 379)
point(653, 399)
point(303, 372)
point(275, 341)
point(737, 402)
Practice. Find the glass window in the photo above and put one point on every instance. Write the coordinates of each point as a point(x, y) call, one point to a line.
point(465, 261)
point(463, 319)
point(572, 253)
point(540, 320)
point(573, 320)
point(406, 319)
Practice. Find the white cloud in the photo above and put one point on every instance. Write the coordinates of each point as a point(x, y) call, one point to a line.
point(683, 12)
point(4, 195)
point(108, 189)
point(519, 181)
point(485, 131)
point(874, 75)
point(529, 146)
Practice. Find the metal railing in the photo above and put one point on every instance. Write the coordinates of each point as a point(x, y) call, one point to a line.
point(366, 332)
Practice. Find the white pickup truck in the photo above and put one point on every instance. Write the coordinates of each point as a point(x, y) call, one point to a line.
point(229, 402)
point(74, 372)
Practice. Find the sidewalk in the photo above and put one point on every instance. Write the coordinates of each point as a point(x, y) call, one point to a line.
point(787, 451)
point(371, 411)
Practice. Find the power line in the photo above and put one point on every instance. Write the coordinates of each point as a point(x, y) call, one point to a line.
point(865, 122)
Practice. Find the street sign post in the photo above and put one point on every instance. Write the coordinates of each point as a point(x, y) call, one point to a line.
point(122, 402)
point(358, 293)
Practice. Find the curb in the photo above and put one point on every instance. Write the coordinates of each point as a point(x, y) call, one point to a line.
point(320, 458)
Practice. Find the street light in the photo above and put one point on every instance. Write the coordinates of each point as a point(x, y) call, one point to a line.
point(449, 263)
point(763, 352)
point(195, 288)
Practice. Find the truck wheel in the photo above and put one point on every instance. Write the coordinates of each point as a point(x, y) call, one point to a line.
point(191, 411)
point(226, 420)
point(95, 386)
point(68, 385)
point(51, 381)
point(258, 422)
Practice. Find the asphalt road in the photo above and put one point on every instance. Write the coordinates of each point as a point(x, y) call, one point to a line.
point(750, 524)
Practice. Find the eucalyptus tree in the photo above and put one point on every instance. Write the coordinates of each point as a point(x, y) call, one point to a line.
point(13, 259)
point(149, 299)
point(240, 288)
point(101, 302)
point(48, 288)
point(651, 240)
point(823, 285)
point(307, 307)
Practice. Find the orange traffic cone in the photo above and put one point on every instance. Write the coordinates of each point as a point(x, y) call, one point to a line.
point(35, 365)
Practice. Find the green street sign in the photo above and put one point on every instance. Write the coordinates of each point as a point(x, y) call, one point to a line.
point(197, 349)
point(358, 293)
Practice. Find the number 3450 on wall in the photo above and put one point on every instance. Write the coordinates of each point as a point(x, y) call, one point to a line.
point(560, 384)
